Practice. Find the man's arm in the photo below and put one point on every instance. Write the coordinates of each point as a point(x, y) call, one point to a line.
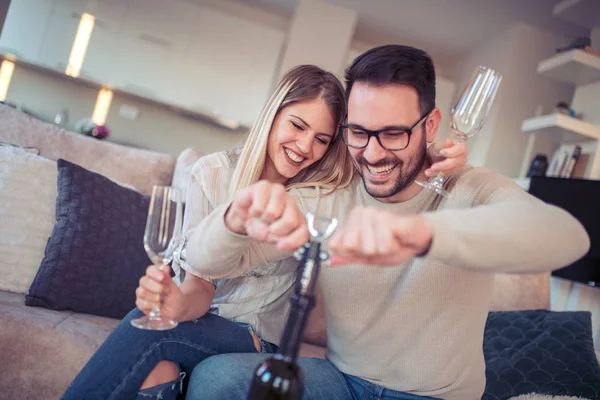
point(507, 230)
point(500, 229)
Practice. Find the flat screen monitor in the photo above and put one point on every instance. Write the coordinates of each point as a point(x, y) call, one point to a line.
point(581, 198)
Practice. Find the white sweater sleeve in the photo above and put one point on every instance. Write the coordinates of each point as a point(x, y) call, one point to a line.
point(505, 229)
point(216, 252)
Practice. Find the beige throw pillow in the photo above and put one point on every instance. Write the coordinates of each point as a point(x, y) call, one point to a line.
point(27, 215)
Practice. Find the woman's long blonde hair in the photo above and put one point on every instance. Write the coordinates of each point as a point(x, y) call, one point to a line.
point(302, 83)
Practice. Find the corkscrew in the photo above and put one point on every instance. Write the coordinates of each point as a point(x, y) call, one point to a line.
point(311, 256)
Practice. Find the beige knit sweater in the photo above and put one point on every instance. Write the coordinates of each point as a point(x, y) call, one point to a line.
point(418, 327)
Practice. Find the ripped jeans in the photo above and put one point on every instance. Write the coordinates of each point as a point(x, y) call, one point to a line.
point(120, 366)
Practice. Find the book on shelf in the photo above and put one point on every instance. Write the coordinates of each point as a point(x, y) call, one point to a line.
point(567, 171)
point(565, 162)
point(581, 166)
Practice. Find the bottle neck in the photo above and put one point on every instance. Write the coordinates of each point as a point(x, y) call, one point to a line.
point(302, 301)
point(294, 328)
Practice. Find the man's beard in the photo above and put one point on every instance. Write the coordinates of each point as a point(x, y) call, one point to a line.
point(405, 176)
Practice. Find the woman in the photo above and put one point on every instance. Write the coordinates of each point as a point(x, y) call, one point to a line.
point(294, 142)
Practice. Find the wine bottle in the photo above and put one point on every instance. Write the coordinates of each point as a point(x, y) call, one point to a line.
point(280, 377)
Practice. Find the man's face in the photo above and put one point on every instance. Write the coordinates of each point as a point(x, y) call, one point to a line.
point(385, 173)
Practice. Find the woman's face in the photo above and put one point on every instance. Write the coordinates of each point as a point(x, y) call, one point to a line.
point(300, 135)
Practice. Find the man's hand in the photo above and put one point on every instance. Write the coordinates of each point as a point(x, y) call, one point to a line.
point(446, 157)
point(267, 213)
point(374, 236)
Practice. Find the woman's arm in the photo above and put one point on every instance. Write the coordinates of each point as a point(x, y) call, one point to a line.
point(197, 296)
point(217, 252)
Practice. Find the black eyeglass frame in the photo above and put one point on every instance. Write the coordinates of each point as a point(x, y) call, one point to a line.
point(376, 133)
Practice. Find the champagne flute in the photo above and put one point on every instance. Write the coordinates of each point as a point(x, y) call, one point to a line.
point(469, 114)
point(161, 239)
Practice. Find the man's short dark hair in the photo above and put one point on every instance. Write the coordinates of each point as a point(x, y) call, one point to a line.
point(395, 64)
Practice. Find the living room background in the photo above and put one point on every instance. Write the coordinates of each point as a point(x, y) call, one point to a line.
point(160, 125)
point(206, 98)
point(101, 100)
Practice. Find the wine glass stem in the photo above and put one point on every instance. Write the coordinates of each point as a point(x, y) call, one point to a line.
point(438, 179)
point(155, 312)
point(458, 137)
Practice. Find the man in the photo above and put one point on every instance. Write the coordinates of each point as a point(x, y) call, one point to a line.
point(406, 315)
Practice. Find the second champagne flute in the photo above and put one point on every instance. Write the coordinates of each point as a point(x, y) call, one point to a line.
point(469, 114)
point(161, 239)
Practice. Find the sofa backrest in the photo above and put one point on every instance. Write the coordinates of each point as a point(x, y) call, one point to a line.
point(521, 292)
point(126, 165)
point(183, 168)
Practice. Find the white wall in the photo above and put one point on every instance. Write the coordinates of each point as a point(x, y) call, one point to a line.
point(496, 55)
point(445, 99)
point(358, 47)
point(586, 101)
point(516, 53)
point(249, 12)
point(525, 91)
point(320, 34)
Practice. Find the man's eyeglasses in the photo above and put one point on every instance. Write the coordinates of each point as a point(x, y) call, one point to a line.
point(389, 138)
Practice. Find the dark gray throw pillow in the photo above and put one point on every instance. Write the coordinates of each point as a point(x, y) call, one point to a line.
point(95, 256)
point(540, 351)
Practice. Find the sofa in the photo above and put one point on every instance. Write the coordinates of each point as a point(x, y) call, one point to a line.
point(41, 350)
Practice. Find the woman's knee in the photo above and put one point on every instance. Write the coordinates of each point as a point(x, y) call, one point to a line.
point(163, 372)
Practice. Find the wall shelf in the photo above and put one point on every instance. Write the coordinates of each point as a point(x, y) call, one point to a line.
point(575, 67)
point(191, 113)
point(561, 129)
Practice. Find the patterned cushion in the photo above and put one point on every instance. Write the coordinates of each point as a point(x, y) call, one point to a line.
point(95, 256)
point(540, 351)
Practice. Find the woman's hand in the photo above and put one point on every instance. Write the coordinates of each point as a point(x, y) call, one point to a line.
point(157, 289)
point(267, 213)
point(446, 157)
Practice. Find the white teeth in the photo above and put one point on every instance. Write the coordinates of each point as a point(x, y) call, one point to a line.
point(293, 156)
point(380, 170)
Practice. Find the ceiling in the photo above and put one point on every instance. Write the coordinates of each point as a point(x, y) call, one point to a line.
point(447, 29)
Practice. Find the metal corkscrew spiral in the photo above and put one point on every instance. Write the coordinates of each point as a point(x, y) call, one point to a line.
point(311, 253)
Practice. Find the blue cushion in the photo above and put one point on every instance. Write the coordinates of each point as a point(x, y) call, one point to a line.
point(540, 351)
point(95, 256)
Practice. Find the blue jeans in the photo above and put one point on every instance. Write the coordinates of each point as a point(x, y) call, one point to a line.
point(122, 363)
point(228, 376)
